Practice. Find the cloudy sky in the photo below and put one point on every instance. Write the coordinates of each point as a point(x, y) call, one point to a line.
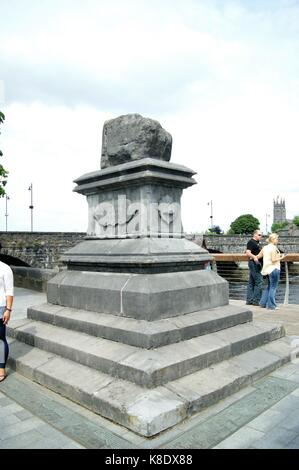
point(222, 76)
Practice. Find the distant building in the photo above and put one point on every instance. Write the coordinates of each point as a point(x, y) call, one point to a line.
point(279, 211)
point(279, 216)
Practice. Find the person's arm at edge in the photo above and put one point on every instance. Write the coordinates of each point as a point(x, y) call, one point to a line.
point(251, 256)
point(276, 256)
point(260, 255)
point(6, 314)
point(8, 279)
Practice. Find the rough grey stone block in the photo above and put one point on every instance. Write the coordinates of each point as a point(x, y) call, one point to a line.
point(132, 137)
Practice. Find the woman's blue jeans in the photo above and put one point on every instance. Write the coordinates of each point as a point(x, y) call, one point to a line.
point(268, 295)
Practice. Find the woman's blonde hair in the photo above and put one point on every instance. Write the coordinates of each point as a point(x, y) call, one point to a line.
point(272, 237)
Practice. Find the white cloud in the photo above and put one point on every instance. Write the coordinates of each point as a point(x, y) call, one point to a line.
point(221, 76)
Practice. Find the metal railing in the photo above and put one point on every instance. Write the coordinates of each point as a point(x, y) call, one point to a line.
point(233, 267)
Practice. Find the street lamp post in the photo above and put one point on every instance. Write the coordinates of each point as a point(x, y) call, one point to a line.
point(211, 216)
point(31, 204)
point(6, 213)
point(267, 215)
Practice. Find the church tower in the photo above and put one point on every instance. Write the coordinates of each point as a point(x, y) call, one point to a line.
point(279, 211)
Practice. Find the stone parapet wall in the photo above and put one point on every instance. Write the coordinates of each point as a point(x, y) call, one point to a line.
point(44, 249)
point(38, 249)
point(32, 278)
point(237, 243)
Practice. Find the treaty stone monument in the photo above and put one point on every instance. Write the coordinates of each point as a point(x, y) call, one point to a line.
point(135, 328)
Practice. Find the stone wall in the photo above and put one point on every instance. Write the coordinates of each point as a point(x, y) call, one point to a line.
point(237, 243)
point(32, 278)
point(38, 249)
point(44, 249)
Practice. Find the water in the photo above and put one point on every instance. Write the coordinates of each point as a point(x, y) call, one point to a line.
point(237, 291)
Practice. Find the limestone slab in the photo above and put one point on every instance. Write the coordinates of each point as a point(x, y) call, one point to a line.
point(148, 368)
point(147, 412)
point(141, 333)
point(141, 296)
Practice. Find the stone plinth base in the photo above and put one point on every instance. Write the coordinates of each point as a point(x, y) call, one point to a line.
point(147, 391)
point(142, 296)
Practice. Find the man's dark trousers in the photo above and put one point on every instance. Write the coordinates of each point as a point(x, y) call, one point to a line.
point(255, 283)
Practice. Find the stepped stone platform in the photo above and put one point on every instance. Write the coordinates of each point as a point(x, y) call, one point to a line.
point(162, 373)
point(136, 328)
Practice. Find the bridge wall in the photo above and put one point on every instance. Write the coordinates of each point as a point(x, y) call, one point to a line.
point(39, 249)
point(237, 243)
point(43, 249)
point(33, 278)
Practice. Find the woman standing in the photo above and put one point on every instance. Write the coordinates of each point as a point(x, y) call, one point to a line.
point(271, 268)
point(6, 300)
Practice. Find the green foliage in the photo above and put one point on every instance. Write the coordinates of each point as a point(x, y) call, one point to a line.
point(278, 226)
point(3, 172)
point(296, 220)
point(245, 223)
point(216, 230)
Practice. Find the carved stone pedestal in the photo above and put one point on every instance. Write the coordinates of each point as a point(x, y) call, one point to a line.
point(136, 328)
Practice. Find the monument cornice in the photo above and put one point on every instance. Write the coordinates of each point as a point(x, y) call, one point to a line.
point(147, 170)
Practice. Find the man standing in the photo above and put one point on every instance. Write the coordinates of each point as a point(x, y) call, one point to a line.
point(255, 282)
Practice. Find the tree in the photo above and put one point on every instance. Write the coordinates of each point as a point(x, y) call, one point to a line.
point(296, 220)
point(245, 223)
point(278, 226)
point(216, 229)
point(3, 172)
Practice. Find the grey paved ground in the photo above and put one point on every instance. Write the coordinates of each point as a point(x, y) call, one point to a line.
point(264, 415)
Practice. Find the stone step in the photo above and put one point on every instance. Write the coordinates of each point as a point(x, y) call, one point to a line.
point(147, 411)
point(141, 333)
point(148, 368)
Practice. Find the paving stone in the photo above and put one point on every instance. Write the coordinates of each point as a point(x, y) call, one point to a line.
point(291, 421)
point(6, 422)
point(278, 438)
point(4, 401)
point(20, 427)
point(72, 445)
point(23, 414)
point(286, 371)
point(294, 377)
point(10, 409)
point(48, 431)
point(64, 419)
point(288, 404)
point(294, 444)
point(26, 440)
point(267, 420)
point(241, 439)
point(211, 432)
point(204, 436)
point(276, 384)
